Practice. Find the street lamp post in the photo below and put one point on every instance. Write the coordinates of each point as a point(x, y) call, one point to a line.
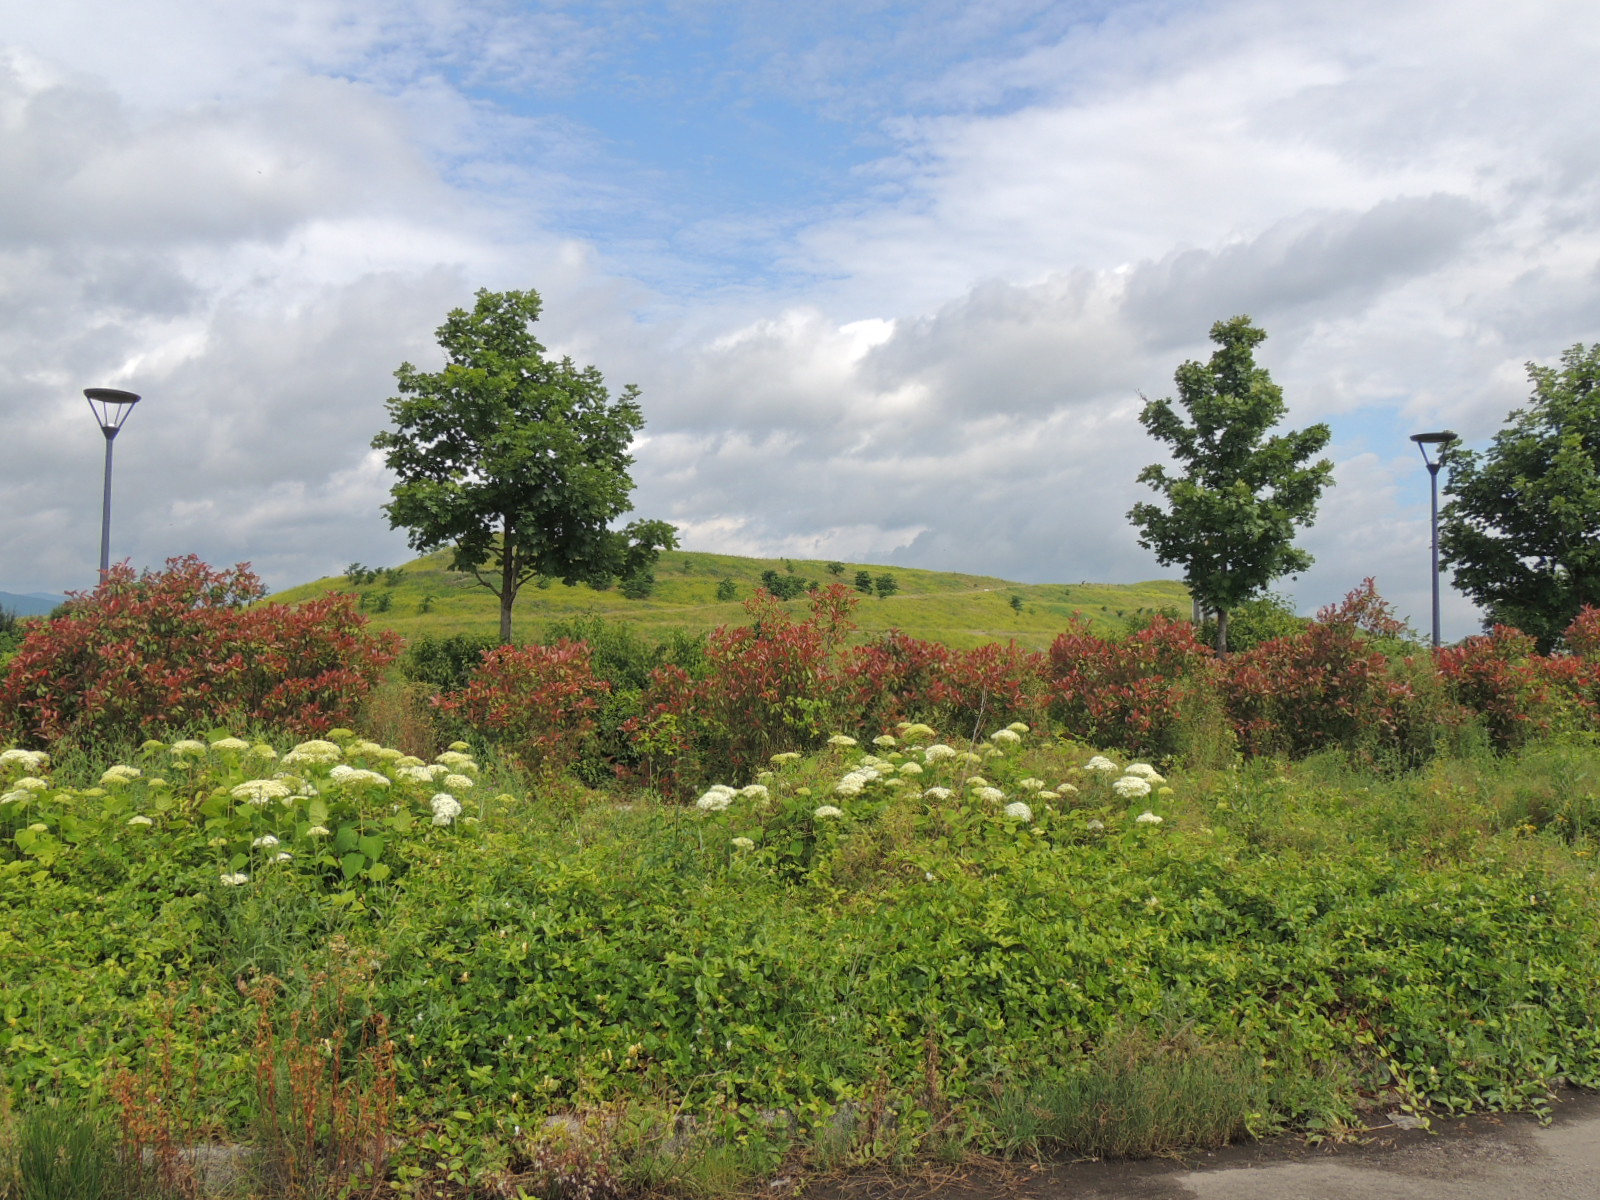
point(1423, 441)
point(111, 407)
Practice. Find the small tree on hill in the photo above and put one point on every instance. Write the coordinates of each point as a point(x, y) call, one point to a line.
point(1231, 515)
point(518, 462)
point(1522, 532)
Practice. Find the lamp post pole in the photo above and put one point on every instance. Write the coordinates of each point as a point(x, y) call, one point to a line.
point(111, 407)
point(1423, 441)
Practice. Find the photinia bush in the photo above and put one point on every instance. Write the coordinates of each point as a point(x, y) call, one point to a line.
point(536, 701)
point(143, 654)
point(1519, 695)
point(1132, 693)
point(762, 688)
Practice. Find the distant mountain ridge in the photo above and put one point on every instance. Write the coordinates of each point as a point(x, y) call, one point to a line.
point(32, 604)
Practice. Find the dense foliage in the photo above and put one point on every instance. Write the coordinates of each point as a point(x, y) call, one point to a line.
point(1231, 515)
point(182, 647)
point(944, 930)
point(1521, 530)
point(519, 463)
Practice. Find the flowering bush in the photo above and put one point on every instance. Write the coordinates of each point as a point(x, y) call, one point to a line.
point(347, 814)
point(537, 701)
point(144, 654)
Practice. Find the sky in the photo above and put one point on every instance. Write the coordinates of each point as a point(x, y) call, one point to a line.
point(892, 277)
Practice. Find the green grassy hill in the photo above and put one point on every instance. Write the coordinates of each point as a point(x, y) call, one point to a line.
point(959, 610)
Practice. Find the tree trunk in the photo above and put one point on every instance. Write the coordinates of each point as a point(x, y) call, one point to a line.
point(1222, 631)
point(1199, 617)
point(508, 582)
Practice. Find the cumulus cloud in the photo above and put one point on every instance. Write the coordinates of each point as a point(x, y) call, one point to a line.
point(939, 364)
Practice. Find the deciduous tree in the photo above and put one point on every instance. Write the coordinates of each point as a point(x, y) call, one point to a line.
point(1231, 514)
point(1521, 531)
point(517, 461)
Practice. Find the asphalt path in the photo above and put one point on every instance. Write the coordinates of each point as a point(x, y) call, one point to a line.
point(1473, 1158)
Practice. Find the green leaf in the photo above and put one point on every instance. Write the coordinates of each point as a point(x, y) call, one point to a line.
point(372, 846)
point(352, 863)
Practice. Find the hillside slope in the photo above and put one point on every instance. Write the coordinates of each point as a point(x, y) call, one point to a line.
point(959, 610)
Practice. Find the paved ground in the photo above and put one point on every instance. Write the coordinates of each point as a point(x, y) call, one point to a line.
point(1477, 1158)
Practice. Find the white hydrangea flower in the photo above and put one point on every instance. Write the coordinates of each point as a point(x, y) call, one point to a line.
point(1131, 786)
point(362, 778)
point(187, 746)
point(262, 750)
point(1031, 785)
point(457, 761)
point(1096, 826)
point(387, 754)
point(840, 739)
point(717, 798)
point(417, 773)
point(28, 760)
point(314, 751)
point(910, 768)
point(990, 795)
point(235, 880)
point(13, 797)
point(968, 758)
point(265, 841)
point(755, 791)
point(743, 843)
point(230, 743)
point(788, 756)
point(119, 774)
point(911, 731)
point(1019, 811)
point(1005, 737)
point(1144, 771)
point(458, 746)
point(140, 820)
point(1046, 796)
point(259, 791)
point(886, 741)
point(937, 793)
point(828, 811)
point(850, 785)
point(1017, 727)
point(446, 808)
point(408, 760)
point(1066, 789)
point(937, 753)
point(363, 747)
point(1147, 818)
point(977, 781)
point(457, 783)
point(1099, 763)
point(282, 856)
point(318, 831)
point(341, 772)
point(31, 783)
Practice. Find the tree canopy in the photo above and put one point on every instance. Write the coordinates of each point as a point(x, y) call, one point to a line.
point(517, 461)
point(1521, 530)
point(1231, 514)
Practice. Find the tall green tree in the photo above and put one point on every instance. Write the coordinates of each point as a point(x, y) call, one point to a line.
point(516, 461)
point(1521, 530)
point(1231, 513)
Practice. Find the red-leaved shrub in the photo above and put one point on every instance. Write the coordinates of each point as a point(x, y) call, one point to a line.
point(538, 702)
point(1519, 695)
point(1133, 692)
point(765, 687)
point(147, 654)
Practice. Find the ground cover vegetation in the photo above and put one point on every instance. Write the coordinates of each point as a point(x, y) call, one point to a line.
point(837, 901)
